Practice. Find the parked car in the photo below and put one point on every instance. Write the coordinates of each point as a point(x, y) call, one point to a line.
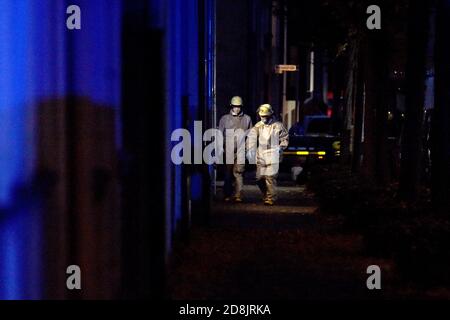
point(310, 142)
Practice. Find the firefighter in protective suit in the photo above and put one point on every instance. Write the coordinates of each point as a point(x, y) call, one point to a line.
point(234, 127)
point(265, 144)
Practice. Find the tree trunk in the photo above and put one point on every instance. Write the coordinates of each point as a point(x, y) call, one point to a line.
point(418, 27)
point(374, 165)
point(349, 103)
point(359, 108)
point(440, 135)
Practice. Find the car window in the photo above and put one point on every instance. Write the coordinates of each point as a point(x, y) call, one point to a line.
point(319, 126)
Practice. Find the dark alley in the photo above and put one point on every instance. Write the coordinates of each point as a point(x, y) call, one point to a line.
point(235, 151)
point(289, 251)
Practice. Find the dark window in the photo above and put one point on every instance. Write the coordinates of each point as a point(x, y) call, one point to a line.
point(319, 126)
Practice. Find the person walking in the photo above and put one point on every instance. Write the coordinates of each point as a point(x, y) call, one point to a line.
point(234, 127)
point(265, 144)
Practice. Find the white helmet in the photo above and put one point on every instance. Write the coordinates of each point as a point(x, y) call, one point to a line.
point(265, 110)
point(236, 101)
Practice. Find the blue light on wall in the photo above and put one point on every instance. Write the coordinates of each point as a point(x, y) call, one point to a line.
point(41, 60)
point(15, 166)
point(181, 73)
point(10, 273)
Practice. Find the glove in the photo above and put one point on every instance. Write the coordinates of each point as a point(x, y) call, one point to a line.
point(262, 162)
point(251, 156)
point(281, 154)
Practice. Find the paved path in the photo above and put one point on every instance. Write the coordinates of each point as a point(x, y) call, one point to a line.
point(288, 251)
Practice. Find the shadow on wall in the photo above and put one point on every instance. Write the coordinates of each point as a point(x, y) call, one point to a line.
point(77, 160)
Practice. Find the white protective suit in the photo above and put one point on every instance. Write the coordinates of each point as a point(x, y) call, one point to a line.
point(265, 144)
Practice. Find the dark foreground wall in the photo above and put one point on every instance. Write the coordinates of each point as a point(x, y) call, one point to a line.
point(86, 118)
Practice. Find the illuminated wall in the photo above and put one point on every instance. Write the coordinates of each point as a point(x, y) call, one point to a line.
point(189, 48)
point(181, 49)
point(44, 66)
point(42, 61)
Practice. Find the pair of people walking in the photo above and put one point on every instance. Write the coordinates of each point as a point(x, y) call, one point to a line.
point(262, 144)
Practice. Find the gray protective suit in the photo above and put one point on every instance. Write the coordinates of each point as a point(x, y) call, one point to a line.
point(234, 130)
